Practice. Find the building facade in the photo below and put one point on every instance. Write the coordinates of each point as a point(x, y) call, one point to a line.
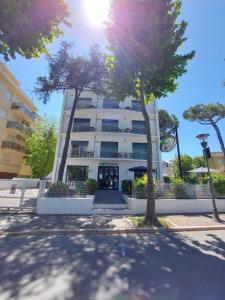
point(17, 119)
point(107, 139)
point(217, 161)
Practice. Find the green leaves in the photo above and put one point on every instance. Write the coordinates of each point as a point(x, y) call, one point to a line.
point(167, 121)
point(205, 114)
point(68, 72)
point(40, 149)
point(144, 37)
point(28, 26)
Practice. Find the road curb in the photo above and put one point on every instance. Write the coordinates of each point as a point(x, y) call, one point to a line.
point(109, 231)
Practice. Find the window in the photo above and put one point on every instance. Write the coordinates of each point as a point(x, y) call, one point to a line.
point(80, 125)
point(3, 114)
point(84, 103)
point(220, 162)
point(8, 95)
point(77, 173)
point(109, 149)
point(6, 158)
point(79, 148)
point(110, 103)
point(136, 105)
point(139, 150)
point(138, 127)
point(109, 125)
point(11, 138)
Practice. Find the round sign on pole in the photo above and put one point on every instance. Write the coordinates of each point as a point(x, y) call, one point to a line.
point(168, 143)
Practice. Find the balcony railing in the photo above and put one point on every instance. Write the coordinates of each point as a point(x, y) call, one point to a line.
point(89, 105)
point(79, 152)
point(24, 109)
point(110, 128)
point(113, 153)
point(138, 129)
point(22, 128)
point(82, 128)
point(12, 145)
point(107, 153)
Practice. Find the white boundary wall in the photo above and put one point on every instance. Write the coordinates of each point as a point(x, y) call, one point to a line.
point(79, 206)
point(175, 206)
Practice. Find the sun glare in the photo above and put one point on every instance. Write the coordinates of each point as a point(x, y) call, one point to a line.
point(97, 11)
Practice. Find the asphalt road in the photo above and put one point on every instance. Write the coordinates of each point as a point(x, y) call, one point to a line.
point(174, 266)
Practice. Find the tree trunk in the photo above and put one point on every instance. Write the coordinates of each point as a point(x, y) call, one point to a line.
point(219, 137)
point(67, 139)
point(150, 215)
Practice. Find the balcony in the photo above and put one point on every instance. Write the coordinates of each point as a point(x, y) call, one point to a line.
point(22, 128)
point(113, 153)
point(138, 129)
point(82, 128)
point(21, 107)
point(13, 146)
point(79, 152)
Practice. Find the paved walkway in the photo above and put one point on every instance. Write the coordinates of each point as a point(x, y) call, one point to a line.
point(24, 222)
point(29, 222)
point(195, 220)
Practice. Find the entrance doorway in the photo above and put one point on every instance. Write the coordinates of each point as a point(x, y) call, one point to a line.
point(108, 178)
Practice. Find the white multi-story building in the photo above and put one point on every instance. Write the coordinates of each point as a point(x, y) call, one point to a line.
point(107, 139)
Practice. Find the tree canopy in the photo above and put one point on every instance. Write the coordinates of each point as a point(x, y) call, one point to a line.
point(76, 73)
point(167, 121)
point(40, 148)
point(207, 114)
point(27, 26)
point(143, 37)
point(188, 164)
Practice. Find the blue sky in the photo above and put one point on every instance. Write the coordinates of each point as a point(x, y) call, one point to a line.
point(201, 84)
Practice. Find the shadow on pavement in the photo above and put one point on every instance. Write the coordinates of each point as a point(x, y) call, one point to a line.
point(132, 267)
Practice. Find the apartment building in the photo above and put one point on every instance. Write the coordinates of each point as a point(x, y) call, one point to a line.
point(17, 119)
point(107, 139)
point(217, 161)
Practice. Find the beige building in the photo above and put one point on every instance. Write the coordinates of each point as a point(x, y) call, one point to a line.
point(217, 161)
point(17, 118)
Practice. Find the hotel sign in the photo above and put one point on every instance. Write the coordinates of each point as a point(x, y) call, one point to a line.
point(168, 143)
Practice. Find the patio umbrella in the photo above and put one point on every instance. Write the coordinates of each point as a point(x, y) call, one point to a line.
point(139, 169)
point(203, 170)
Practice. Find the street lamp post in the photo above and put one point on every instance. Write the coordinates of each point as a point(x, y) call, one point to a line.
point(206, 153)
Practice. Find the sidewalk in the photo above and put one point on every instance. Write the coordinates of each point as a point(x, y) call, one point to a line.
point(68, 223)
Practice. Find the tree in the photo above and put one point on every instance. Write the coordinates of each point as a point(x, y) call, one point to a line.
point(167, 121)
point(188, 164)
point(78, 74)
point(143, 37)
point(27, 26)
point(40, 148)
point(209, 114)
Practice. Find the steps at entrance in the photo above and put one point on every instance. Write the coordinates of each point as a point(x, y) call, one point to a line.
point(110, 206)
point(109, 202)
point(109, 198)
point(107, 211)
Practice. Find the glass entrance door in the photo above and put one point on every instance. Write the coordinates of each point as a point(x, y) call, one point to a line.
point(108, 178)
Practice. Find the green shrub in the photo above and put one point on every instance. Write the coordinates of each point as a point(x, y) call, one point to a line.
point(140, 187)
point(178, 187)
point(58, 189)
point(127, 186)
point(166, 179)
point(92, 186)
point(219, 183)
point(193, 179)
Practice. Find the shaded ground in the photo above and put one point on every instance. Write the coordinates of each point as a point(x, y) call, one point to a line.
point(129, 267)
point(21, 222)
point(195, 220)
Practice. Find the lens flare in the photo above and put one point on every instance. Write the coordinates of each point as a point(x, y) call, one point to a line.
point(97, 11)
